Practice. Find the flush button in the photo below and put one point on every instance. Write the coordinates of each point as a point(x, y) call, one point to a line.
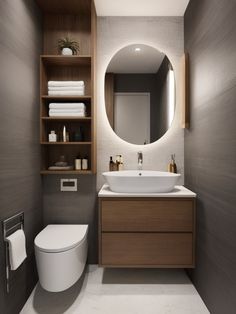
point(69, 185)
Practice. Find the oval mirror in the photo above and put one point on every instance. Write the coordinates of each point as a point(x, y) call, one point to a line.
point(140, 94)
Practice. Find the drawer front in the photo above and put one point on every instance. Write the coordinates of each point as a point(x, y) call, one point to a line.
point(140, 249)
point(133, 215)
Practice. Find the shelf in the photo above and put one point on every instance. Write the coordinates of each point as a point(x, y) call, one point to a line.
point(46, 172)
point(66, 97)
point(65, 143)
point(59, 60)
point(74, 19)
point(66, 118)
point(65, 6)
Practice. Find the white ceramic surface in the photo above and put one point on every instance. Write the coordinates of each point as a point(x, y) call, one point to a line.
point(141, 181)
point(67, 52)
point(178, 191)
point(59, 270)
point(60, 238)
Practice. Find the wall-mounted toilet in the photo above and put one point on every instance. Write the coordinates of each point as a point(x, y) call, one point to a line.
point(61, 254)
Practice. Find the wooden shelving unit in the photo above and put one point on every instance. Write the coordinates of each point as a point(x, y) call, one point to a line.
point(77, 20)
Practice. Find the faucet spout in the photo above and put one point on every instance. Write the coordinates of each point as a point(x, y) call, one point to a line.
point(140, 160)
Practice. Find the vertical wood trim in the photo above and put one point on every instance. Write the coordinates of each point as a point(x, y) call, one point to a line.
point(99, 232)
point(185, 91)
point(93, 86)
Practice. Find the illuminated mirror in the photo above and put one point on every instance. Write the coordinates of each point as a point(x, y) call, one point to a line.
point(140, 94)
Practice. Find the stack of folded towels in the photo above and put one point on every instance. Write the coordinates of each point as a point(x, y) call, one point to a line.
point(66, 88)
point(67, 110)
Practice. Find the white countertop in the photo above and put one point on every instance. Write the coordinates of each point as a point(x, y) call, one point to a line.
point(179, 191)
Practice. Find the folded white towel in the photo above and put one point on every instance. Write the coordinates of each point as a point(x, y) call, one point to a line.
point(66, 88)
point(66, 93)
point(66, 110)
point(67, 114)
point(65, 83)
point(17, 250)
point(79, 105)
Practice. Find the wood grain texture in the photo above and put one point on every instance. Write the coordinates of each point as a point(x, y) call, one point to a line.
point(65, 60)
point(142, 249)
point(210, 148)
point(147, 216)
point(146, 232)
point(80, 25)
point(185, 90)
point(75, 26)
point(65, 6)
point(20, 183)
point(93, 39)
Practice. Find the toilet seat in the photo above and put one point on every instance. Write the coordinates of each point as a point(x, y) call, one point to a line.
point(60, 238)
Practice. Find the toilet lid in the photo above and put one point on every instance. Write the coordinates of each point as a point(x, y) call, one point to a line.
point(59, 238)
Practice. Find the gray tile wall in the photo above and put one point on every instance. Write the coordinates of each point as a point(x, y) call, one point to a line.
point(20, 183)
point(210, 147)
point(73, 207)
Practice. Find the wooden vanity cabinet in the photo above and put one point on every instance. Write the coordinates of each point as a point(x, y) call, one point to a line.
point(147, 232)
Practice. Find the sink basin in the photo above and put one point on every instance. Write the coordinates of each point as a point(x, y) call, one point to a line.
point(141, 181)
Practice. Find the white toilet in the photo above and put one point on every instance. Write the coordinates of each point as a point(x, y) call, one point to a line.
point(61, 254)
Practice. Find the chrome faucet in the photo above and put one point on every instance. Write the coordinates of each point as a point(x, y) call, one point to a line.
point(140, 160)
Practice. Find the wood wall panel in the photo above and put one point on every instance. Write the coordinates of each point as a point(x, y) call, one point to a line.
point(210, 147)
point(58, 26)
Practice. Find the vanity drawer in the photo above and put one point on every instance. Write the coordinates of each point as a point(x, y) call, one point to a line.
point(151, 215)
point(147, 249)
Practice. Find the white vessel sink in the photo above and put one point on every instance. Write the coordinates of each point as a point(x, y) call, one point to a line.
point(141, 181)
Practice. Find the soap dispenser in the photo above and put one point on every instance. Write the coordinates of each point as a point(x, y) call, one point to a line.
point(111, 164)
point(121, 164)
point(172, 165)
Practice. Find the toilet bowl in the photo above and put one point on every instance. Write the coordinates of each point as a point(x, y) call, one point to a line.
point(61, 254)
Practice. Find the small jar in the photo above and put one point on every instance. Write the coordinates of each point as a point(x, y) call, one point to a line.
point(52, 137)
point(85, 163)
point(78, 163)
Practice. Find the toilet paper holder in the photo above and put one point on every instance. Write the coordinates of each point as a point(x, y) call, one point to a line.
point(9, 226)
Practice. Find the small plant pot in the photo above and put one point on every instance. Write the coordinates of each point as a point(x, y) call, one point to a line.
point(67, 52)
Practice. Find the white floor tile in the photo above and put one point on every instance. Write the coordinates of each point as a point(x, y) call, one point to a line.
point(121, 291)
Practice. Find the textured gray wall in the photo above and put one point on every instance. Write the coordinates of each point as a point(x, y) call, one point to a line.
point(210, 147)
point(73, 207)
point(20, 183)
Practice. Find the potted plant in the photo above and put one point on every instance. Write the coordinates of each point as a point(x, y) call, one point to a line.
point(68, 46)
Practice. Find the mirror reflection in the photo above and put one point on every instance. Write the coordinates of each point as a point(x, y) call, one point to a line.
point(140, 94)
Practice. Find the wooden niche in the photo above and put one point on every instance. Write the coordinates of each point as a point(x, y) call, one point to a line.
point(75, 19)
